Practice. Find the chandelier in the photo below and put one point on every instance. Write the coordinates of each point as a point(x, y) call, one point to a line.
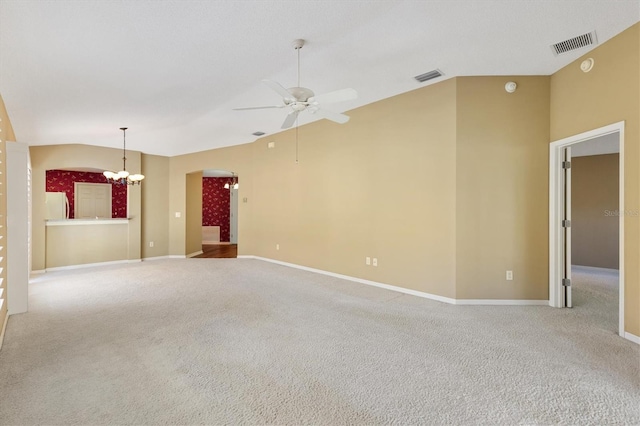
point(233, 183)
point(123, 177)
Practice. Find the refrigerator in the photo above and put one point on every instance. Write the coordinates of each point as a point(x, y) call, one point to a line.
point(57, 206)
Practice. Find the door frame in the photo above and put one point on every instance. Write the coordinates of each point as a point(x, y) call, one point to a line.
point(556, 195)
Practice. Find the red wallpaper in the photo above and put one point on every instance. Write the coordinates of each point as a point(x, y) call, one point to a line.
point(215, 205)
point(62, 181)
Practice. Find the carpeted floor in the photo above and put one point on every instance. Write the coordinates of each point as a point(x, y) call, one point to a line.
point(241, 341)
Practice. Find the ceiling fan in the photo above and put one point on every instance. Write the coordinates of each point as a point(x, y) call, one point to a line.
point(298, 99)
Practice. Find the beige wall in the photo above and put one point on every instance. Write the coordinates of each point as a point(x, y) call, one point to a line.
point(608, 94)
point(50, 157)
point(193, 213)
point(237, 159)
point(502, 188)
point(382, 185)
point(83, 244)
point(155, 206)
point(594, 192)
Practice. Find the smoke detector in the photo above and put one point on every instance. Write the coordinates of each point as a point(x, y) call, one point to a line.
point(587, 65)
point(510, 87)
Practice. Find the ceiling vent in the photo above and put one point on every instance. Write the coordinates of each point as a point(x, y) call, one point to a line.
point(258, 133)
point(588, 39)
point(428, 76)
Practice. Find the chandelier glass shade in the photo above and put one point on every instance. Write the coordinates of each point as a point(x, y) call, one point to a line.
point(123, 177)
point(233, 183)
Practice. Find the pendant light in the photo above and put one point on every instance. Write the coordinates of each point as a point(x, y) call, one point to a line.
point(123, 177)
point(233, 183)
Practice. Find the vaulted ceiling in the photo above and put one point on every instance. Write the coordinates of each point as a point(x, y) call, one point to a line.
point(172, 70)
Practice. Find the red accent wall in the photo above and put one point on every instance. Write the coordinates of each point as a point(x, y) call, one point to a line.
point(216, 210)
point(63, 180)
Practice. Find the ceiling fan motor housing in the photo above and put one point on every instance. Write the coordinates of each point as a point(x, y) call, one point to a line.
point(301, 94)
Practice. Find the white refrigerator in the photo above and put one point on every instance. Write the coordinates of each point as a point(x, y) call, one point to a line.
point(57, 206)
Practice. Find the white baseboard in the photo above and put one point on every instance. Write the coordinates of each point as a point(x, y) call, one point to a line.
point(195, 253)
point(134, 260)
point(144, 259)
point(177, 256)
point(406, 290)
point(632, 337)
point(38, 271)
point(88, 265)
point(503, 302)
point(4, 327)
point(357, 280)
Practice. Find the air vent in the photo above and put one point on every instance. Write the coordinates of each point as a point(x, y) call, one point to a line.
point(588, 39)
point(258, 133)
point(428, 76)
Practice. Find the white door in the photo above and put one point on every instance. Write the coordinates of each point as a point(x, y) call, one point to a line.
point(92, 200)
point(566, 226)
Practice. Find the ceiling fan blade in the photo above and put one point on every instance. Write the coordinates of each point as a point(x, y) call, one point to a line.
point(259, 107)
point(337, 96)
point(277, 87)
point(290, 119)
point(333, 116)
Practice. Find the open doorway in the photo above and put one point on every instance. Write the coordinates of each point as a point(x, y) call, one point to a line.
point(219, 214)
point(586, 232)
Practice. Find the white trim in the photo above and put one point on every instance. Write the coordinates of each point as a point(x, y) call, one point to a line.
point(38, 271)
point(76, 222)
point(502, 302)
point(632, 338)
point(177, 256)
point(4, 327)
point(402, 289)
point(555, 197)
point(87, 265)
point(195, 253)
point(134, 260)
point(358, 280)
point(144, 259)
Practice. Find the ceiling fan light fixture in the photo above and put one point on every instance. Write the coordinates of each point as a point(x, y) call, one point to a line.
point(299, 98)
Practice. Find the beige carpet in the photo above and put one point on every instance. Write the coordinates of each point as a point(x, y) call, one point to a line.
point(240, 341)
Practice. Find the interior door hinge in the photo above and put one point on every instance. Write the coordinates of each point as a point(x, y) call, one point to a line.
point(566, 282)
point(566, 223)
point(566, 164)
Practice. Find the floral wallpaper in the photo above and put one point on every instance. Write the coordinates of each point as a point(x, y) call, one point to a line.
point(216, 210)
point(63, 180)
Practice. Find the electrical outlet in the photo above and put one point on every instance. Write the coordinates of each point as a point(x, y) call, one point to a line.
point(277, 246)
point(151, 243)
point(509, 275)
point(367, 260)
point(375, 261)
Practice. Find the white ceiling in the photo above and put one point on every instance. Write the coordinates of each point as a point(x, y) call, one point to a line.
point(77, 71)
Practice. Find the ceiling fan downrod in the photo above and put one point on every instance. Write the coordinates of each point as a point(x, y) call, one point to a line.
point(297, 44)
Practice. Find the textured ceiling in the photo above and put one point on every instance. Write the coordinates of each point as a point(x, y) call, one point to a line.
point(76, 71)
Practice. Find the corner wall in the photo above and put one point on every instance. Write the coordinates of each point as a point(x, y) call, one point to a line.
point(155, 206)
point(608, 94)
point(51, 157)
point(502, 188)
